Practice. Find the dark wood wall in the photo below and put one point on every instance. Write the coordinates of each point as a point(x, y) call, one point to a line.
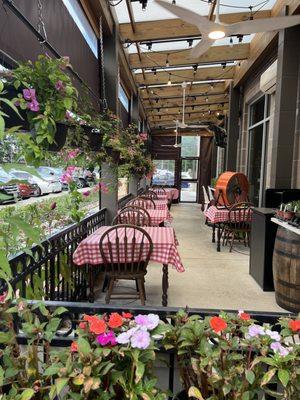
point(21, 44)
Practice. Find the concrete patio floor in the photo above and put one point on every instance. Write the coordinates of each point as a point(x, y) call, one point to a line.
point(211, 280)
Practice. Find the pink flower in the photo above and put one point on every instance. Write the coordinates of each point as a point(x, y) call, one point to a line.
point(66, 178)
point(3, 297)
point(144, 136)
point(71, 169)
point(68, 115)
point(87, 193)
point(59, 85)
point(33, 106)
point(107, 338)
point(103, 187)
point(29, 94)
point(53, 206)
point(72, 154)
point(140, 339)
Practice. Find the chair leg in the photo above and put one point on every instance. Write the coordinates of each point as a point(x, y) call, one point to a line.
point(143, 287)
point(141, 292)
point(232, 241)
point(110, 290)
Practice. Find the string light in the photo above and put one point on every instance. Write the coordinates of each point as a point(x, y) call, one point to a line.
point(212, 86)
point(169, 81)
point(154, 71)
point(190, 42)
point(195, 67)
point(144, 4)
point(206, 99)
point(231, 42)
point(240, 38)
point(223, 65)
point(149, 45)
point(167, 62)
point(174, 2)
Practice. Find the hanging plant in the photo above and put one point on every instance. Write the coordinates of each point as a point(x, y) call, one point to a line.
point(45, 94)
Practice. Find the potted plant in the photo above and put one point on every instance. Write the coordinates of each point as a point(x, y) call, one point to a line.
point(288, 212)
point(231, 357)
point(45, 95)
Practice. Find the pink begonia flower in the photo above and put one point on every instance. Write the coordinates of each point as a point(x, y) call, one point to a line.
point(87, 193)
point(149, 321)
point(107, 338)
point(71, 169)
point(144, 136)
point(3, 297)
point(59, 85)
point(33, 106)
point(140, 340)
point(72, 154)
point(29, 94)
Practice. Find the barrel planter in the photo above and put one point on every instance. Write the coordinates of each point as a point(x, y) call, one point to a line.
point(94, 137)
point(286, 269)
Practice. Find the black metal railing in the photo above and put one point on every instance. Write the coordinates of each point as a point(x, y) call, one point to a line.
point(124, 200)
point(75, 311)
point(48, 271)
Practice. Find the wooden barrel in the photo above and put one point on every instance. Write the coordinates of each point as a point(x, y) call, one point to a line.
point(286, 269)
point(231, 187)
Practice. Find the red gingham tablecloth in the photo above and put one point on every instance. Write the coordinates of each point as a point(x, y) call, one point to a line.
point(171, 193)
point(164, 246)
point(160, 204)
point(159, 216)
point(217, 215)
point(162, 197)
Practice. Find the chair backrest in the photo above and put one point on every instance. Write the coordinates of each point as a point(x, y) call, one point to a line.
point(132, 215)
point(125, 249)
point(151, 194)
point(205, 195)
point(210, 193)
point(240, 214)
point(159, 190)
point(143, 202)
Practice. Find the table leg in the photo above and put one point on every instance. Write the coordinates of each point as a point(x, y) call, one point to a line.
point(213, 233)
point(219, 238)
point(91, 284)
point(165, 285)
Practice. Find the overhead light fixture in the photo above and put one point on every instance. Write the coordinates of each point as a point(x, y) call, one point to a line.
point(169, 81)
point(209, 111)
point(231, 42)
point(167, 62)
point(212, 86)
point(215, 35)
point(206, 99)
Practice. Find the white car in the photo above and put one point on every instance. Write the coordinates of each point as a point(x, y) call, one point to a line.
point(45, 186)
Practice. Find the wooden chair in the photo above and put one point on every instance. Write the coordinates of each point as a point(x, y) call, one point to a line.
point(206, 199)
point(132, 215)
point(151, 194)
point(124, 259)
point(143, 202)
point(211, 191)
point(159, 191)
point(239, 224)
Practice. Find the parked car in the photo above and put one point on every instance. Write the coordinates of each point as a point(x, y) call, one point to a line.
point(8, 191)
point(43, 186)
point(58, 173)
point(163, 177)
point(51, 177)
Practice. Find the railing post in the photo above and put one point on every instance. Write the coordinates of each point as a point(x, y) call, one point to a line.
point(109, 200)
point(133, 185)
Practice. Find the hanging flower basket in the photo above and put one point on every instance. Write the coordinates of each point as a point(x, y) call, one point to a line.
point(94, 137)
point(12, 118)
point(113, 154)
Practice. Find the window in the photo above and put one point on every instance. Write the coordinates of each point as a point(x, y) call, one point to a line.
point(83, 24)
point(164, 174)
point(190, 146)
point(123, 98)
point(258, 132)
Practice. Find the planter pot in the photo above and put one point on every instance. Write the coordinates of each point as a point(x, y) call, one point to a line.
point(279, 214)
point(94, 137)
point(13, 119)
point(181, 396)
point(288, 215)
point(113, 154)
point(60, 137)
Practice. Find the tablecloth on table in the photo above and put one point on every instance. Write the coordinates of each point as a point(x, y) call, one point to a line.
point(171, 193)
point(218, 215)
point(159, 216)
point(164, 247)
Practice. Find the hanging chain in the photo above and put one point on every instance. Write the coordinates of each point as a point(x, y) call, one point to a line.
point(103, 92)
point(41, 25)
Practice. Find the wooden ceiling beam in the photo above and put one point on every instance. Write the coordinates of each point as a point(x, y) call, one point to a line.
point(186, 75)
point(198, 89)
point(186, 132)
point(178, 112)
point(194, 117)
point(216, 54)
point(200, 102)
point(176, 28)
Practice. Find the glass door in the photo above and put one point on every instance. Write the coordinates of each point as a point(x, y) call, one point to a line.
point(190, 150)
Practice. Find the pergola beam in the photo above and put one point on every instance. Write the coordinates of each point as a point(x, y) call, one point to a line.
point(201, 102)
point(186, 75)
point(198, 89)
point(176, 28)
point(216, 54)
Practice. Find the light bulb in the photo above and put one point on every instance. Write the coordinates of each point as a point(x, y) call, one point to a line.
point(216, 35)
point(169, 81)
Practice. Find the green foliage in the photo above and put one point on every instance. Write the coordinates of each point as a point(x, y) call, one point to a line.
point(230, 364)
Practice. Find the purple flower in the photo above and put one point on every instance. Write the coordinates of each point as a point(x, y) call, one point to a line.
point(53, 206)
point(29, 94)
point(33, 106)
point(255, 331)
point(140, 339)
point(107, 338)
point(59, 85)
point(87, 193)
point(149, 321)
point(278, 348)
point(124, 338)
point(273, 335)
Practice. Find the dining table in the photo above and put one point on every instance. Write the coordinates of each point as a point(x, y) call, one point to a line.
point(164, 252)
point(217, 216)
